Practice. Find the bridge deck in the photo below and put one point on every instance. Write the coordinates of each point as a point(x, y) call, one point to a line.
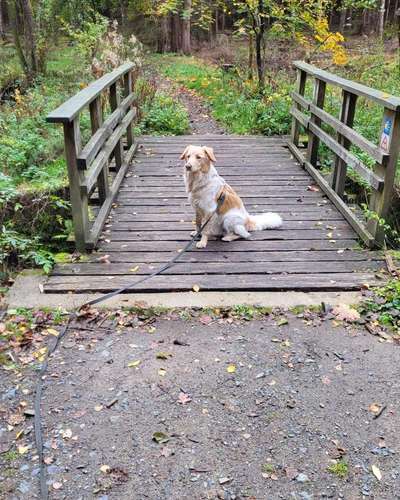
point(315, 250)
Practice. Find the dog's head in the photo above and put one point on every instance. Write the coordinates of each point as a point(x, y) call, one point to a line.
point(198, 158)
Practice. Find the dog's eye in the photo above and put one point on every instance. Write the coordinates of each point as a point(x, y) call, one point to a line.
point(198, 157)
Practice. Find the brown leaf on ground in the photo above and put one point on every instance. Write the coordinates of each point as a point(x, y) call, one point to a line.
point(343, 312)
point(184, 398)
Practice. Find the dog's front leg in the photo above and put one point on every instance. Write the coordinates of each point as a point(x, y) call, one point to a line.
point(203, 242)
point(199, 218)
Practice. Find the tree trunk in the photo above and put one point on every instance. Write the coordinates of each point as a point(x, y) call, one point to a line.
point(381, 22)
point(164, 35)
point(176, 36)
point(2, 23)
point(342, 21)
point(187, 13)
point(251, 56)
point(25, 40)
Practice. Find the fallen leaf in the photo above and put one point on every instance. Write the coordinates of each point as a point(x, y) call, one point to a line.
point(23, 449)
point(184, 398)
point(98, 407)
point(48, 460)
point(133, 364)
point(282, 321)
point(291, 473)
point(196, 288)
point(134, 269)
point(162, 372)
point(57, 486)
point(163, 355)
point(160, 437)
point(376, 472)
point(52, 331)
point(167, 452)
point(104, 259)
point(375, 408)
point(325, 380)
point(344, 312)
point(313, 188)
point(105, 468)
point(67, 434)
point(231, 369)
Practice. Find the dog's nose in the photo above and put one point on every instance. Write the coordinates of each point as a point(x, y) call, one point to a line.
point(188, 166)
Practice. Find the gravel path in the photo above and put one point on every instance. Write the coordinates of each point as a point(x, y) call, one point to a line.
point(185, 406)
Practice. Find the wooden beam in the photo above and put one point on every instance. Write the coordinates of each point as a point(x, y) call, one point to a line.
point(96, 118)
point(301, 87)
point(114, 104)
point(313, 139)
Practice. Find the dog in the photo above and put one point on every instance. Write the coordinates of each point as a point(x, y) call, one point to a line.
point(210, 195)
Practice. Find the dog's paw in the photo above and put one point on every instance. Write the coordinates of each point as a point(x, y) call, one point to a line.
point(201, 244)
point(193, 233)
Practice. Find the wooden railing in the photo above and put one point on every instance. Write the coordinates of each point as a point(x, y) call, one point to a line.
point(91, 167)
point(385, 153)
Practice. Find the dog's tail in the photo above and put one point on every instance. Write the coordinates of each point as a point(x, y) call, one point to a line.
point(267, 220)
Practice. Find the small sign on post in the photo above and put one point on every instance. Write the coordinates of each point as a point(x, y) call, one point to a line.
point(385, 137)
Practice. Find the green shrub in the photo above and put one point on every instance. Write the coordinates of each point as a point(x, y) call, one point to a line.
point(164, 116)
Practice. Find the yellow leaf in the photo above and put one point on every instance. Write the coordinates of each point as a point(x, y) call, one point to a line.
point(133, 364)
point(98, 408)
point(134, 269)
point(231, 369)
point(376, 472)
point(105, 468)
point(162, 372)
point(52, 331)
point(23, 449)
point(196, 288)
point(19, 434)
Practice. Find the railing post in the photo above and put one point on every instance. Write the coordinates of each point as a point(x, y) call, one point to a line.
point(390, 143)
point(313, 141)
point(79, 201)
point(114, 103)
point(96, 119)
point(300, 87)
point(127, 91)
point(347, 113)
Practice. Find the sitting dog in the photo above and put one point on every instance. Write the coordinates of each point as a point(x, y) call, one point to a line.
point(210, 195)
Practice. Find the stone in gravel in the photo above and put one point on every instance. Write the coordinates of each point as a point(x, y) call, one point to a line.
point(35, 471)
point(24, 467)
point(24, 487)
point(10, 394)
point(260, 375)
point(302, 478)
point(53, 469)
point(224, 480)
point(114, 419)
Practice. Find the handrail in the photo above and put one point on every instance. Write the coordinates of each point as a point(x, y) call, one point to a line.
point(385, 152)
point(71, 108)
point(382, 98)
point(91, 167)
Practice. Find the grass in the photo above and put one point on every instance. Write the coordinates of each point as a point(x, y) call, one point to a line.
point(339, 469)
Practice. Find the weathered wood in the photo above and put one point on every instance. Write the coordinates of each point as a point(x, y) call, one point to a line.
point(98, 139)
point(223, 268)
point(310, 282)
point(348, 158)
point(128, 89)
point(79, 200)
point(96, 119)
point(337, 201)
point(347, 117)
point(300, 87)
point(382, 98)
point(381, 201)
point(313, 139)
point(101, 161)
point(68, 111)
point(114, 104)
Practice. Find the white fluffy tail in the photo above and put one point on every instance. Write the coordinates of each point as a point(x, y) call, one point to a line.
point(268, 220)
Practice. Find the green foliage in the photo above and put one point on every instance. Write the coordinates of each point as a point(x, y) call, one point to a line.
point(384, 305)
point(233, 101)
point(164, 116)
point(340, 469)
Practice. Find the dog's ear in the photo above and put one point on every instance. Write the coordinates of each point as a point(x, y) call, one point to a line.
point(183, 155)
point(210, 153)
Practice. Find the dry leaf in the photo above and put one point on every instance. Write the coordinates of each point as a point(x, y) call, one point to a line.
point(134, 364)
point(343, 312)
point(160, 437)
point(67, 434)
point(23, 449)
point(313, 188)
point(98, 408)
point(231, 369)
point(52, 331)
point(57, 486)
point(105, 468)
point(376, 472)
point(162, 372)
point(163, 355)
point(375, 408)
point(134, 269)
point(196, 288)
point(184, 398)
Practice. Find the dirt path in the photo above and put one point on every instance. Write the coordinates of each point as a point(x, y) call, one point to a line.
point(201, 121)
point(185, 406)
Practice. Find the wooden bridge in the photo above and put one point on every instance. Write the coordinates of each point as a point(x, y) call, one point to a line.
point(128, 199)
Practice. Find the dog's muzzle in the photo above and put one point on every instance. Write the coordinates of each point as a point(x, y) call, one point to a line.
point(188, 166)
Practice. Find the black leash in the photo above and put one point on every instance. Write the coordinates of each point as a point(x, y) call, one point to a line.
point(44, 491)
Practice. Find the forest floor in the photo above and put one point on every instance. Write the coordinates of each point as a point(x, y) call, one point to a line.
point(191, 405)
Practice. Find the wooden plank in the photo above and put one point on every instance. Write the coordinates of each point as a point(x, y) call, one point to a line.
point(102, 158)
point(301, 100)
point(300, 117)
point(264, 193)
point(370, 177)
point(249, 202)
point(128, 90)
point(337, 201)
point(209, 268)
point(342, 281)
point(114, 100)
point(353, 136)
point(155, 182)
point(300, 87)
point(313, 139)
point(68, 111)
point(340, 168)
point(241, 190)
point(195, 255)
point(96, 119)
point(270, 234)
point(237, 246)
point(98, 139)
point(382, 98)
point(79, 200)
point(106, 207)
point(176, 225)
